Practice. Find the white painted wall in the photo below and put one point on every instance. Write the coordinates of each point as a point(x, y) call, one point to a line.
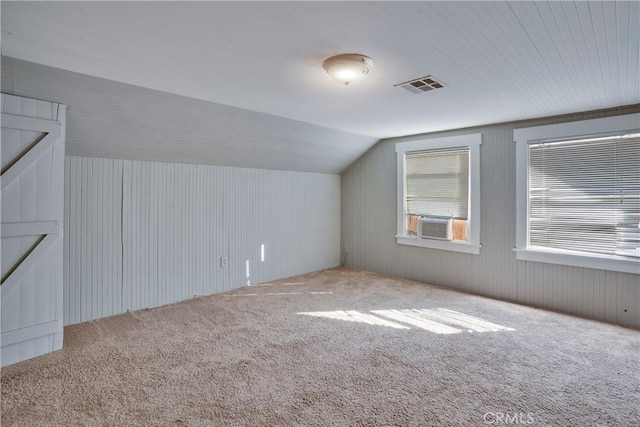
point(369, 227)
point(141, 234)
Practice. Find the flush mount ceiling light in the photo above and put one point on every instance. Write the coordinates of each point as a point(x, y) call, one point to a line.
point(348, 68)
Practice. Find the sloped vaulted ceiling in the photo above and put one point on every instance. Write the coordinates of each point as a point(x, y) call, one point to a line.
point(500, 61)
point(116, 120)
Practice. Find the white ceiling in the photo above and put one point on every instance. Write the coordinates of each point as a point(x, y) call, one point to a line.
point(502, 61)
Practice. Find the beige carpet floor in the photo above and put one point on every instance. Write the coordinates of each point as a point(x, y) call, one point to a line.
point(333, 348)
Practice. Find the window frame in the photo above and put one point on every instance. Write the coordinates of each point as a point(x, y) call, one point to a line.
point(471, 141)
point(571, 130)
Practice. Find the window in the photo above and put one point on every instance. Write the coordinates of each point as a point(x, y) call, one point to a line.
point(439, 193)
point(579, 193)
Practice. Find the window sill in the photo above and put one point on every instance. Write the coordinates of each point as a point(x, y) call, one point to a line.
point(445, 245)
point(577, 259)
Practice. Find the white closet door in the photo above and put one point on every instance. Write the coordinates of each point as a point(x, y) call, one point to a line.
point(32, 204)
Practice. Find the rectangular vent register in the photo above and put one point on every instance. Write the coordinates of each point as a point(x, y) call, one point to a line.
point(422, 84)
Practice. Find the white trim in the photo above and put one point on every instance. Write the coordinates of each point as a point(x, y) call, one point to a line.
point(453, 245)
point(27, 333)
point(53, 133)
point(58, 338)
point(580, 259)
point(525, 136)
point(16, 229)
point(522, 192)
point(471, 141)
point(473, 227)
point(459, 141)
point(14, 278)
point(576, 130)
point(401, 204)
point(12, 121)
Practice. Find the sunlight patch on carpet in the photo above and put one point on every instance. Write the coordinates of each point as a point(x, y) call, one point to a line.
point(279, 284)
point(472, 324)
point(356, 316)
point(277, 293)
point(439, 321)
point(409, 317)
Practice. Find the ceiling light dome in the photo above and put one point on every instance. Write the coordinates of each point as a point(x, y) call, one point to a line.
point(348, 68)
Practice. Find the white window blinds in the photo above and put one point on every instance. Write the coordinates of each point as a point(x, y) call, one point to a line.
point(437, 182)
point(584, 195)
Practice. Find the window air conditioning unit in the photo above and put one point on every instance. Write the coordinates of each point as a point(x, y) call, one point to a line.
point(435, 227)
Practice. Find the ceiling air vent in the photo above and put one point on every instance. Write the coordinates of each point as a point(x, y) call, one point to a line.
point(421, 85)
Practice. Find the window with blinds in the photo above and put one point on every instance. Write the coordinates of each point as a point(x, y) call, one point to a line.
point(437, 183)
point(438, 197)
point(584, 195)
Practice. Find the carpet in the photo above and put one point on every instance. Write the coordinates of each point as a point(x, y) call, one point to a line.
point(338, 347)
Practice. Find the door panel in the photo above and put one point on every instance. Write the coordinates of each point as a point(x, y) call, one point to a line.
point(32, 159)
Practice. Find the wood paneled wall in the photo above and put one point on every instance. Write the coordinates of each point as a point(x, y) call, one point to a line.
point(142, 234)
point(369, 226)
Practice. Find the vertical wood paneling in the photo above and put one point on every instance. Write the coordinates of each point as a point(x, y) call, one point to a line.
point(368, 227)
point(92, 259)
point(178, 220)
